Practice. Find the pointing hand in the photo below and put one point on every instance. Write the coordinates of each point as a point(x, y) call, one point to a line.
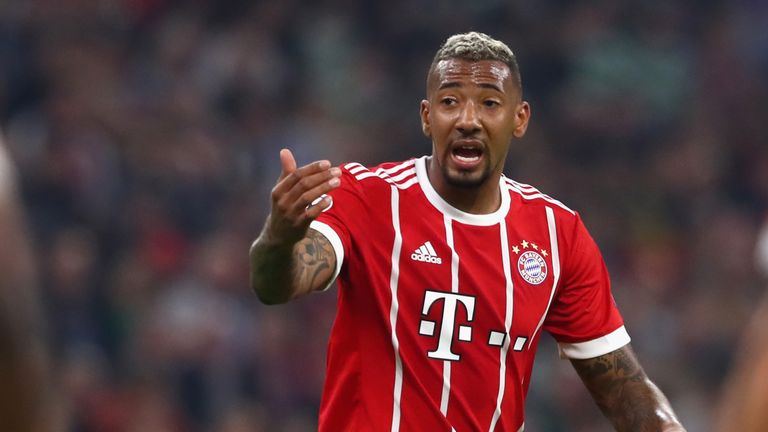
point(295, 191)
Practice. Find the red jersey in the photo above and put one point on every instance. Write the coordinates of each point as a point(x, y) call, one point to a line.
point(440, 311)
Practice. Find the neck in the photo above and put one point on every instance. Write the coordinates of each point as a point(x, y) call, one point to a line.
point(484, 198)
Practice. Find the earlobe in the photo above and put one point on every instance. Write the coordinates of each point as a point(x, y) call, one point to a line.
point(523, 115)
point(424, 113)
point(520, 130)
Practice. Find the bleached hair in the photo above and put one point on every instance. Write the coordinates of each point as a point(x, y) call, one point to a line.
point(476, 46)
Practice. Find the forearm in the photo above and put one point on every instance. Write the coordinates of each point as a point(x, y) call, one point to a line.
point(282, 272)
point(272, 270)
point(640, 406)
point(625, 395)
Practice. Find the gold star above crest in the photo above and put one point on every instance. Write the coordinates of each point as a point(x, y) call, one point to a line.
point(535, 246)
point(516, 249)
point(524, 244)
point(544, 252)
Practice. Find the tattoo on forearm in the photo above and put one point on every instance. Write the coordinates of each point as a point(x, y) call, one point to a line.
point(314, 258)
point(622, 391)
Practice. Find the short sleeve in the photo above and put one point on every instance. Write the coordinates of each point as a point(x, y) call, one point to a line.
point(337, 221)
point(583, 317)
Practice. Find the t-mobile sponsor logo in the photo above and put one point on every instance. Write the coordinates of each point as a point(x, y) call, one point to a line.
point(451, 304)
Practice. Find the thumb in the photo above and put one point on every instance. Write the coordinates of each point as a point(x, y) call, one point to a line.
point(287, 162)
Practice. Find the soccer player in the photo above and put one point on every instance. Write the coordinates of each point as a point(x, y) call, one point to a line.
point(448, 271)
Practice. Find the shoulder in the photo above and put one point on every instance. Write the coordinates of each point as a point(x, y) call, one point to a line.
point(530, 196)
point(568, 222)
point(399, 174)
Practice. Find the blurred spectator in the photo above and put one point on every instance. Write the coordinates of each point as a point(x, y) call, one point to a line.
point(745, 395)
point(26, 397)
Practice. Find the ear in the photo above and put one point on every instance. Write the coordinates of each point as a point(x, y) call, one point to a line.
point(424, 112)
point(522, 116)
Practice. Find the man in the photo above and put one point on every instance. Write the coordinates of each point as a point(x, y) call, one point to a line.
point(23, 367)
point(448, 271)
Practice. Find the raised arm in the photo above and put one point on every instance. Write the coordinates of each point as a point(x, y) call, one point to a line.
point(624, 393)
point(288, 259)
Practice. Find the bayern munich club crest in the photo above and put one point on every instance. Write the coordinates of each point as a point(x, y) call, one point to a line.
point(532, 267)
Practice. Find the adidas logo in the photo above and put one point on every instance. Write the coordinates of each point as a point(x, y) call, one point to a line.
point(426, 253)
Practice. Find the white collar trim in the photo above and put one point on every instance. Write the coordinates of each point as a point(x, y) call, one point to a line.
point(466, 218)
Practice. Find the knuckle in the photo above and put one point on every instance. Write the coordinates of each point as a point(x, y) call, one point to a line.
point(305, 182)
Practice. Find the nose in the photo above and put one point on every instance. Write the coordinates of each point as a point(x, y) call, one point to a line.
point(468, 122)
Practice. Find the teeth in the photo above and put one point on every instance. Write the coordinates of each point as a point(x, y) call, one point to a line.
point(467, 159)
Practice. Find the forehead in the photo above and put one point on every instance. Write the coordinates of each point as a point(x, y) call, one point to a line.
point(457, 70)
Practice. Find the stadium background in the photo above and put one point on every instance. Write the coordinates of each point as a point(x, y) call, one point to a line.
point(146, 134)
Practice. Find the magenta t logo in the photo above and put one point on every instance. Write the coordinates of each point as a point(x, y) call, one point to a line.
point(451, 303)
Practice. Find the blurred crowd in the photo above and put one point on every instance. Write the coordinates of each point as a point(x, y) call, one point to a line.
point(146, 136)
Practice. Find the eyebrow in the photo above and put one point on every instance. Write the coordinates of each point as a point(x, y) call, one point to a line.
point(453, 84)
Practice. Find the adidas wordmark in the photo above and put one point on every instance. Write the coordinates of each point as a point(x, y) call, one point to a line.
point(426, 253)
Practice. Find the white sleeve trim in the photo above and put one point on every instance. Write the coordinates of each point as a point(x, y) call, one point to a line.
point(596, 347)
point(335, 241)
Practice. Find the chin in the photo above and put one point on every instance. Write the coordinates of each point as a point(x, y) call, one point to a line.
point(467, 180)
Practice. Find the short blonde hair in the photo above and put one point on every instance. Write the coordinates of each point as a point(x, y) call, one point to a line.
point(476, 46)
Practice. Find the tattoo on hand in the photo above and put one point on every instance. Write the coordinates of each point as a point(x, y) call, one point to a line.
point(314, 257)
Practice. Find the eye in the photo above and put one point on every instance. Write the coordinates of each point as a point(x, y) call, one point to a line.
point(448, 101)
point(490, 103)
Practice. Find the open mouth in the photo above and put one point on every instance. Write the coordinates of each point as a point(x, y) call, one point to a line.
point(467, 156)
point(467, 153)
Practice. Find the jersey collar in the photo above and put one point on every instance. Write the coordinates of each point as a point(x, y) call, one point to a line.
point(466, 218)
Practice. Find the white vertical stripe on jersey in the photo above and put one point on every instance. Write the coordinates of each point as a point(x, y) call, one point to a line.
point(510, 292)
point(553, 247)
point(393, 280)
point(454, 289)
